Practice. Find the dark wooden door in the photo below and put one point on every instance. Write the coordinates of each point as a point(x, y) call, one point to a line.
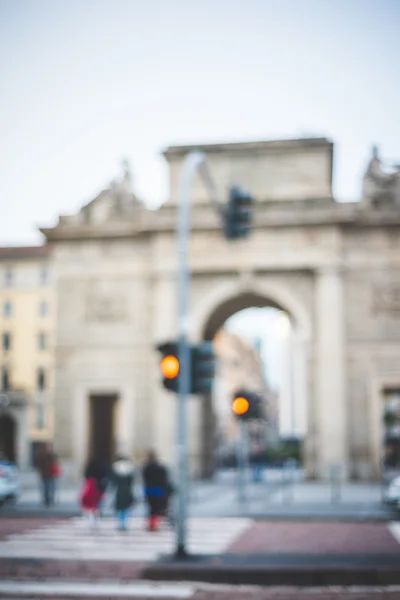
point(102, 428)
point(8, 431)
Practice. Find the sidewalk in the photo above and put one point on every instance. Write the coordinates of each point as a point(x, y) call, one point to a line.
point(281, 495)
point(296, 554)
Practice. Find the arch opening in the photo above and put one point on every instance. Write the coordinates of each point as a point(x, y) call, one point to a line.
point(235, 305)
point(244, 328)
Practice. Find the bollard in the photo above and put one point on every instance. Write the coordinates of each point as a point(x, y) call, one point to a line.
point(335, 484)
point(289, 480)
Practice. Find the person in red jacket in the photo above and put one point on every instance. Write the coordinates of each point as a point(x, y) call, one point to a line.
point(92, 491)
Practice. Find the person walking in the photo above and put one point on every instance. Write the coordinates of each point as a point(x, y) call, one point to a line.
point(97, 470)
point(56, 472)
point(156, 489)
point(94, 486)
point(46, 464)
point(122, 479)
point(90, 501)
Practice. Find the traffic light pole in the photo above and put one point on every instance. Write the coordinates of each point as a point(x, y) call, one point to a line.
point(193, 161)
point(242, 463)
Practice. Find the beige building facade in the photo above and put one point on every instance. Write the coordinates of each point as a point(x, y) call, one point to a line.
point(27, 318)
point(239, 366)
point(334, 268)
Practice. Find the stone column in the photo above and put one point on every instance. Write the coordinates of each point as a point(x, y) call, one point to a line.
point(125, 417)
point(80, 428)
point(299, 387)
point(331, 409)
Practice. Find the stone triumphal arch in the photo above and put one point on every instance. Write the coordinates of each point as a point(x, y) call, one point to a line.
point(334, 267)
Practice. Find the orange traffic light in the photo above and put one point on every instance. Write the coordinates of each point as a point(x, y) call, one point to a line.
point(170, 366)
point(240, 406)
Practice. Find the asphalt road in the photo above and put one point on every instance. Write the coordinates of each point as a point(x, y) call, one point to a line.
point(147, 590)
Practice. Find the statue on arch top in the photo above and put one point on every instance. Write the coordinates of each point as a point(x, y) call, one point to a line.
point(121, 189)
point(127, 174)
point(381, 185)
point(115, 203)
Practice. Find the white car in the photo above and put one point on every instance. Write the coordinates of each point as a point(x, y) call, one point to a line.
point(9, 482)
point(392, 495)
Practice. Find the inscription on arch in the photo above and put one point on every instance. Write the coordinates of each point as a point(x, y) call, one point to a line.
point(105, 308)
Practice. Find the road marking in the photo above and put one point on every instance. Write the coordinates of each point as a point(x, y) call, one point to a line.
point(64, 588)
point(171, 590)
point(72, 540)
point(394, 529)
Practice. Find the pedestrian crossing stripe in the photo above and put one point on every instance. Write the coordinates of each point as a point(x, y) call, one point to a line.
point(394, 529)
point(73, 540)
point(97, 589)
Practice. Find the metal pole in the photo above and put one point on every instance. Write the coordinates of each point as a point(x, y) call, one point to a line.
point(291, 391)
point(245, 434)
point(335, 483)
point(192, 162)
point(289, 479)
point(241, 465)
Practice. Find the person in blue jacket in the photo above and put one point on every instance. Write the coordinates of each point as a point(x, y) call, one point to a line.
point(157, 490)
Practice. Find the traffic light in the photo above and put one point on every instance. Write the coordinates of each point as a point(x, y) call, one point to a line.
point(169, 365)
point(238, 214)
point(202, 368)
point(240, 406)
point(247, 405)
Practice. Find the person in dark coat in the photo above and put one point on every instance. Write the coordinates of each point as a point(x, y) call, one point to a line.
point(123, 480)
point(45, 463)
point(156, 489)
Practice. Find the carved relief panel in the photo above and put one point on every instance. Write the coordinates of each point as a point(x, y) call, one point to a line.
point(106, 304)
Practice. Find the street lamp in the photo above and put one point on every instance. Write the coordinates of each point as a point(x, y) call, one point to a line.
point(235, 220)
point(194, 161)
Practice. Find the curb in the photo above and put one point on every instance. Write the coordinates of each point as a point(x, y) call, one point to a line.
point(356, 516)
point(274, 570)
point(275, 576)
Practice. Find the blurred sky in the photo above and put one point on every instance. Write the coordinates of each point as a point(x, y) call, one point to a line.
point(85, 83)
point(270, 328)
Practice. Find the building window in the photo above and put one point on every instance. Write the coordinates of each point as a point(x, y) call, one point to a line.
point(6, 341)
point(44, 276)
point(7, 309)
point(5, 379)
point(43, 308)
point(41, 380)
point(8, 277)
point(42, 341)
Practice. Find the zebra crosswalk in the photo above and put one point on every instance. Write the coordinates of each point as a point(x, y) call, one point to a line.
point(72, 540)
